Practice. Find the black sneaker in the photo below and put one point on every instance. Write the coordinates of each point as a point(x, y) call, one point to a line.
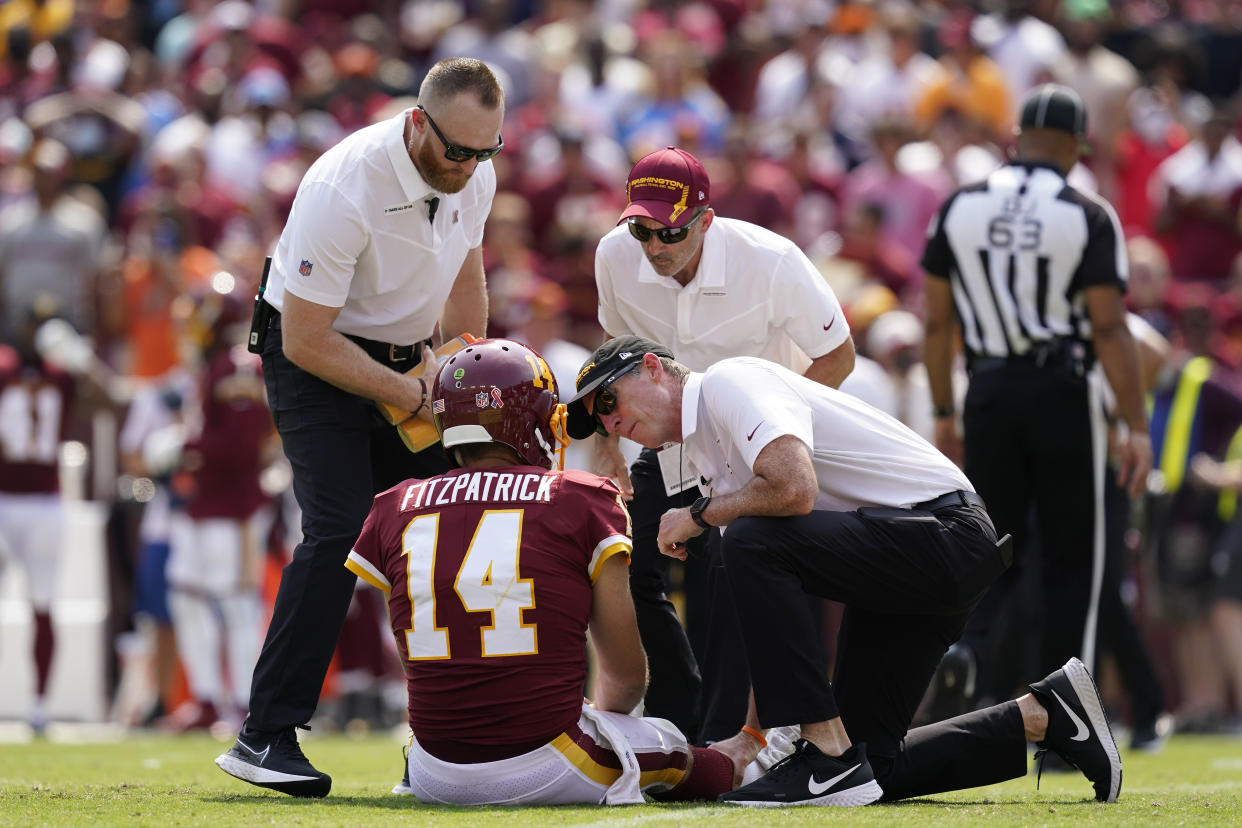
point(1078, 727)
point(274, 760)
point(808, 777)
point(403, 788)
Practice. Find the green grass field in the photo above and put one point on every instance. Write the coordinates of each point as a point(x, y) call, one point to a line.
point(152, 780)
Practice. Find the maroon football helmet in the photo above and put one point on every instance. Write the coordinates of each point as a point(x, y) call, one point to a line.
point(500, 391)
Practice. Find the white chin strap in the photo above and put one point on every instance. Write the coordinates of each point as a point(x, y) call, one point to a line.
point(548, 451)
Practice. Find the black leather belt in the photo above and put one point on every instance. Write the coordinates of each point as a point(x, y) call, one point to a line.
point(957, 498)
point(409, 355)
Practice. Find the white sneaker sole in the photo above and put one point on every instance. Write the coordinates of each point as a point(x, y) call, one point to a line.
point(854, 797)
point(1089, 698)
point(256, 774)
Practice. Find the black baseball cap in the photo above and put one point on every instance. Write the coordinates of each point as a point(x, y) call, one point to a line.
point(609, 359)
point(1052, 106)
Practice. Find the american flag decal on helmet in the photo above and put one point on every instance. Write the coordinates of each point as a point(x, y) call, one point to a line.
point(437, 407)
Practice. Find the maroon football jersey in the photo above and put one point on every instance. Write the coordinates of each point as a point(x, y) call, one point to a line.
point(228, 451)
point(34, 420)
point(489, 575)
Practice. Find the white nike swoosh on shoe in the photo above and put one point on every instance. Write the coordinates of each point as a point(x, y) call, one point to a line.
point(262, 755)
point(817, 788)
point(1082, 733)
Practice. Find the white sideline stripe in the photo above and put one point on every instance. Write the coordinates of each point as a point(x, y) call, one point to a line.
point(642, 819)
point(1099, 462)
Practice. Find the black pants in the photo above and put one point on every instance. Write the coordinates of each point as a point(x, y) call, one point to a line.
point(342, 453)
point(908, 580)
point(1119, 633)
point(709, 705)
point(1032, 452)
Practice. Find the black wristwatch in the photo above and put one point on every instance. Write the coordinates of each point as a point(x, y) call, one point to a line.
point(696, 512)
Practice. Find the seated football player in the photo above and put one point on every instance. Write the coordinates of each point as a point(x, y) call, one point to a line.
point(495, 573)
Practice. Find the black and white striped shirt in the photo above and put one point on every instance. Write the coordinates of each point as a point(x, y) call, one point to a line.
point(1020, 248)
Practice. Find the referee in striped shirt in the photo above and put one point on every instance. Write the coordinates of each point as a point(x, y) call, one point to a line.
point(1032, 271)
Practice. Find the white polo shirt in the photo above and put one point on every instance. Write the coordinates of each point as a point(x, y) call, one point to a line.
point(755, 294)
point(862, 456)
point(358, 237)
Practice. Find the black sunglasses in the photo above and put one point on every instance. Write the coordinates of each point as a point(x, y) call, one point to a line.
point(606, 398)
point(666, 235)
point(456, 152)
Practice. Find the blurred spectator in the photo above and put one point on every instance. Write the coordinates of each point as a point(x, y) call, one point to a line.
point(491, 35)
point(1225, 614)
point(315, 132)
point(159, 263)
point(907, 201)
point(1023, 46)
point(568, 194)
point(1220, 40)
point(969, 82)
point(697, 22)
point(16, 177)
point(1153, 133)
point(786, 79)
point(541, 322)
point(886, 84)
point(241, 144)
point(357, 99)
point(236, 38)
point(50, 245)
point(216, 538)
point(1184, 523)
point(1102, 78)
point(35, 398)
point(680, 108)
point(42, 19)
point(1148, 296)
point(817, 170)
point(749, 187)
point(602, 80)
point(863, 241)
point(100, 126)
point(895, 341)
point(512, 265)
point(155, 414)
point(1198, 191)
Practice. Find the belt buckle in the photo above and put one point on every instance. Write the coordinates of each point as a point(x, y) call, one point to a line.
point(400, 353)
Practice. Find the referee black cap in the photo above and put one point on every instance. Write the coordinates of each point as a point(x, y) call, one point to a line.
point(609, 360)
point(1052, 106)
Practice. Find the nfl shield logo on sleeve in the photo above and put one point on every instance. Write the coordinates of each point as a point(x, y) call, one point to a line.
point(305, 267)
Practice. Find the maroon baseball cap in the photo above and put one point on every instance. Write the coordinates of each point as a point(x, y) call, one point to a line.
point(668, 185)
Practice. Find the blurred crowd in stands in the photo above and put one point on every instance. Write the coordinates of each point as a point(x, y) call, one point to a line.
point(150, 151)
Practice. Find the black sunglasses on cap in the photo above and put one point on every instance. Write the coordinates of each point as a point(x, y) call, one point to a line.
point(606, 398)
point(666, 235)
point(456, 152)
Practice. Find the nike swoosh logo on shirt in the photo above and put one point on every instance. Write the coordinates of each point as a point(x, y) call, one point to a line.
point(752, 432)
point(830, 324)
point(260, 755)
point(1082, 733)
point(817, 788)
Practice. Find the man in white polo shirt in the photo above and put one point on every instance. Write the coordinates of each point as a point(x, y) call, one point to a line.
point(817, 492)
point(709, 288)
point(383, 244)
